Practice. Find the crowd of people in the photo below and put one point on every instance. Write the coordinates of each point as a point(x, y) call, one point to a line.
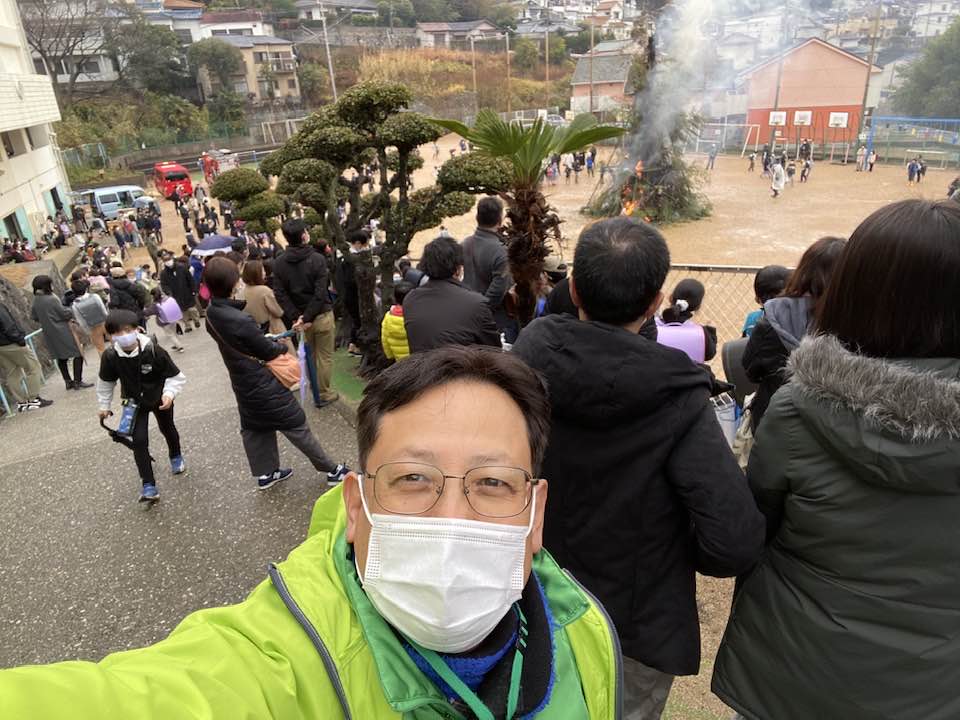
point(533, 501)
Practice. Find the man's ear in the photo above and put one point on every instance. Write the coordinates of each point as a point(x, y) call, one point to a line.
point(353, 504)
point(574, 295)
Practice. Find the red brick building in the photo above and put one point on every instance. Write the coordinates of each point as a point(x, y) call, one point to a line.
point(821, 93)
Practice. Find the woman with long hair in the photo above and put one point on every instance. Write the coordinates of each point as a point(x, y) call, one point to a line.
point(852, 611)
point(786, 320)
point(58, 335)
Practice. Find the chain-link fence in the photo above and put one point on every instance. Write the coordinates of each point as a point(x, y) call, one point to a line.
point(728, 300)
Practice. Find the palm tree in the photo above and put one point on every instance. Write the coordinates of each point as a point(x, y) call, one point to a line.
point(532, 220)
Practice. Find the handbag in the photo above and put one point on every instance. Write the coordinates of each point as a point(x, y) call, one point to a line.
point(285, 367)
point(743, 441)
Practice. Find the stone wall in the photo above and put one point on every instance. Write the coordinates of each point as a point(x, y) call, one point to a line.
point(16, 293)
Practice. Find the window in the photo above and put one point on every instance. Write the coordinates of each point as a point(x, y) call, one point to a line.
point(88, 66)
point(218, 33)
point(184, 36)
point(240, 87)
point(108, 198)
point(31, 145)
point(115, 64)
point(14, 143)
point(259, 57)
point(309, 14)
point(39, 66)
point(292, 84)
point(55, 196)
point(276, 84)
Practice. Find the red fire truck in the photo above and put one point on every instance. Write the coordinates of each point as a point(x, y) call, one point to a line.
point(169, 176)
point(216, 162)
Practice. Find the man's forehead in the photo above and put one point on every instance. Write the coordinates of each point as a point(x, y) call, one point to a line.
point(425, 454)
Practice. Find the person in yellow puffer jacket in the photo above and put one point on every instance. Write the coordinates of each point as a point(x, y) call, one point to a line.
point(393, 333)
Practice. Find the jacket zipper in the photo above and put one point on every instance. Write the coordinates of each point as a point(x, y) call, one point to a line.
point(617, 651)
point(277, 579)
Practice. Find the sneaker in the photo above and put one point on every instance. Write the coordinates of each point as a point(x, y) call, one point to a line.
point(177, 465)
point(28, 406)
point(188, 329)
point(268, 481)
point(43, 403)
point(321, 403)
point(149, 493)
point(336, 476)
point(81, 385)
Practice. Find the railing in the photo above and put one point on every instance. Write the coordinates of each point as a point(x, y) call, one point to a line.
point(728, 300)
point(281, 65)
point(31, 343)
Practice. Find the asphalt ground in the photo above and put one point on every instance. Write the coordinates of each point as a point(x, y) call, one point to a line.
point(86, 569)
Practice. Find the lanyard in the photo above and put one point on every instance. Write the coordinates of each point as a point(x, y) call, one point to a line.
point(466, 694)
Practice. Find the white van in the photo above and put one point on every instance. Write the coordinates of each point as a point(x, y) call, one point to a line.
point(106, 202)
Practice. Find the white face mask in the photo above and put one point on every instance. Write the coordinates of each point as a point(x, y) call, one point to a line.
point(445, 583)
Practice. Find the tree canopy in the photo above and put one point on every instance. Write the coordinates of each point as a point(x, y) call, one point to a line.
point(931, 86)
point(221, 60)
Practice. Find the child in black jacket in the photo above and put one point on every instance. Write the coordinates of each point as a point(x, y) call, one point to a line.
point(149, 379)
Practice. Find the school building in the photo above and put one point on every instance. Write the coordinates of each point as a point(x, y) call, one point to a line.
point(32, 177)
point(821, 93)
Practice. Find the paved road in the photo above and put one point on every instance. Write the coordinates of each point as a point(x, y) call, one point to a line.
point(86, 570)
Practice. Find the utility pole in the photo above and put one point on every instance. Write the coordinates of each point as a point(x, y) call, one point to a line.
point(546, 58)
point(776, 97)
point(592, 15)
point(870, 58)
point(506, 35)
point(473, 60)
point(326, 44)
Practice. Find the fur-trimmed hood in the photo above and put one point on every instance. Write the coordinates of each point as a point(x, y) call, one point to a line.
point(895, 420)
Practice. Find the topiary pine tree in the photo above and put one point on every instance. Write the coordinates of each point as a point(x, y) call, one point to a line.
point(328, 160)
point(255, 203)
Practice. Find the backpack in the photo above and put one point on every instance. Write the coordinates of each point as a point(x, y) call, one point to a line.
point(90, 310)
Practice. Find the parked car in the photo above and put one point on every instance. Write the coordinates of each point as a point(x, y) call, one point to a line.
point(107, 202)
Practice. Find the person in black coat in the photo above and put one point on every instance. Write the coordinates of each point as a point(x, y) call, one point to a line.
point(786, 319)
point(644, 490)
point(266, 407)
point(442, 311)
point(177, 282)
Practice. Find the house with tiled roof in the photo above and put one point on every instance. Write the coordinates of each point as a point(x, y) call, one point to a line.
point(455, 34)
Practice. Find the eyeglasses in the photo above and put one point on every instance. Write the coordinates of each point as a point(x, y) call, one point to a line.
point(408, 488)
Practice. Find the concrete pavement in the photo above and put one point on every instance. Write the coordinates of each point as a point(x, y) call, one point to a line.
point(86, 570)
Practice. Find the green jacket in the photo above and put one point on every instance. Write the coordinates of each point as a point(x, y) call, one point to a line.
point(852, 612)
point(296, 648)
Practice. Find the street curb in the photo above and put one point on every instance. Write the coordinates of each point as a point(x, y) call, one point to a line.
point(347, 410)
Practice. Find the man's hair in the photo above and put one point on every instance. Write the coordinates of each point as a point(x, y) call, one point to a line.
point(618, 268)
point(489, 212)
point(816, 265)
point(79, 287)
point(400, 291)
point(235, 257)
point(358, 236)
point(293, 230)
point(441, 258)
point(117, 319)
point(220, 275)
point(403, 264)
point(770, 282)
point(402, 383)
point(894, 291)
point(238, 245)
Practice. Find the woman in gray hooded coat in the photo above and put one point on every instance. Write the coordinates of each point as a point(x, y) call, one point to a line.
point(854, 608)
point(58, 335)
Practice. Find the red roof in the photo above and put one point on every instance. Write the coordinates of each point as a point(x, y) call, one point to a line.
point(751, 70)
point(182, 5)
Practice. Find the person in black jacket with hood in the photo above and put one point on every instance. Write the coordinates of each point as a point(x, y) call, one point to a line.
point(177, 282)
point(786, 320)
point(266, 407)
point(301, 284)
point(644, 491)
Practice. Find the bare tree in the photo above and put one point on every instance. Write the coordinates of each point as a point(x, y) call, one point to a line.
point(68, 34)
